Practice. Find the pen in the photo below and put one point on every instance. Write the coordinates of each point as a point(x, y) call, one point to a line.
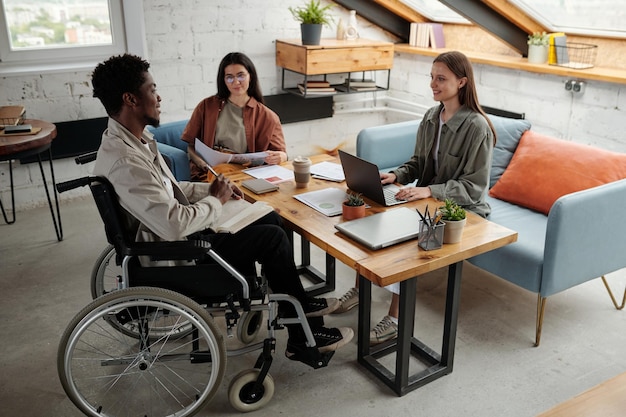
point(212, 171)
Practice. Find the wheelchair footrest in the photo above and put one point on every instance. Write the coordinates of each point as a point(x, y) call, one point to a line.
point(312, 357)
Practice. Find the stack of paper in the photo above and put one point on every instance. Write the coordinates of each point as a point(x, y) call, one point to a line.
point(328, 171)
point(272, 173)
point(327, 201)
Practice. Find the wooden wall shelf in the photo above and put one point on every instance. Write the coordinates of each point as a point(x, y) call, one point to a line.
point(610, 75)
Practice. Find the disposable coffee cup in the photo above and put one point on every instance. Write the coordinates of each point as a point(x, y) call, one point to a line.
point(302, 171)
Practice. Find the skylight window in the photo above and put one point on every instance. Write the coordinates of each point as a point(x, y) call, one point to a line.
point(435, 11)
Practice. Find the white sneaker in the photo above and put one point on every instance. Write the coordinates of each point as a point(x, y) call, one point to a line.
point(348, 301)
point(383, 331)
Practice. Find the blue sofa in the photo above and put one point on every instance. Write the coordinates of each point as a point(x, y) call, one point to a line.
point(173, 148)
point(553, 252)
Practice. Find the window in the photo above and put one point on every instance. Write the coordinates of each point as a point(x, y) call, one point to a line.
point(435, 11)
point(582, 17)
point(67, 34)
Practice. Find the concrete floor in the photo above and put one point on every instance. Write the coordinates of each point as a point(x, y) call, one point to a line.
point(497, 371)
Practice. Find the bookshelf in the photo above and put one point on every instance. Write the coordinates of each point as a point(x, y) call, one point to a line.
point(350, 58)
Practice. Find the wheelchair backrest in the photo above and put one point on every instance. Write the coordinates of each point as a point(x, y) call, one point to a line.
point(111, 214)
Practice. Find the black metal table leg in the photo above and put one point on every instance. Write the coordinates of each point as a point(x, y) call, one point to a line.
point(6, 219)
point(322, 282)
point(406, 345)
point(56, 217)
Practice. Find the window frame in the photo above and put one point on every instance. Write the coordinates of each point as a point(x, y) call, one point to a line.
point(127, 37)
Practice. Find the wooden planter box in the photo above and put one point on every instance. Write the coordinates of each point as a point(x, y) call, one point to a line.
point(334, 56)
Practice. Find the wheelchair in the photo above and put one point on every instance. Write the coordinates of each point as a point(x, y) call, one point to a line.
point(148, 344)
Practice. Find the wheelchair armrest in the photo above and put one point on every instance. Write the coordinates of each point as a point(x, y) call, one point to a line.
point(166, 251)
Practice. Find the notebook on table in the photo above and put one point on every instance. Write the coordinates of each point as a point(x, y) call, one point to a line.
point(363, 177)
point(384, 229)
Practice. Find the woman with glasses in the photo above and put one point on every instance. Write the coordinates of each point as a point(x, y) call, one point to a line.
point(235, 119)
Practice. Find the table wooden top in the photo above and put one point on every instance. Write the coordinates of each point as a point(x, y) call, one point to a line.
point(384, 266)
point(15, 143)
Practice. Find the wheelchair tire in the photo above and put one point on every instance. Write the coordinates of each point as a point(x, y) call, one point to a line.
point(249, 325)
point(106, 274)
point(241, 394)
point(110, 373)
point(105, 277)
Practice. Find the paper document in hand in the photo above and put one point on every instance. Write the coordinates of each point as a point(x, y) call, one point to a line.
point(327, 201)
point(237, 214)
point(328, 171)
point(213, 157)
point(272, 173)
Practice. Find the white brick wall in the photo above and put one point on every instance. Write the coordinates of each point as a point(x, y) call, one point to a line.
point(187, 38)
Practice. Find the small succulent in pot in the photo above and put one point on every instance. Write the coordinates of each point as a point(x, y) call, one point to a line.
point(538, 38)
point(451, 211)
point(354, 199)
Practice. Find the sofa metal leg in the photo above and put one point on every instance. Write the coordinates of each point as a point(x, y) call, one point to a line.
point(541, 307)
point(617, 306)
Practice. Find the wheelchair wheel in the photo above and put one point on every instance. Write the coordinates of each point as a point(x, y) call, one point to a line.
point(249, 325)
point(105, 277)
point(106, 274)
point(242, 395)
point(104, 372)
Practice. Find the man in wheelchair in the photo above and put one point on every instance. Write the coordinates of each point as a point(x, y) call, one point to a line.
point(162, 209)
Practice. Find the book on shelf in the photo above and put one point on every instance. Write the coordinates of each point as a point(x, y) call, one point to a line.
point(436, 38)
point(357, 82)
point(424, 35)
point(11, 115)
point(237, 214)
point(316, 90)
point(552, 48)
point(359, 89)
point(317, 83)
point(560, 47)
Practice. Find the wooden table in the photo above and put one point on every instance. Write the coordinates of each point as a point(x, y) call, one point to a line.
point(399, 263)
point(17, 146)
point(605, 400)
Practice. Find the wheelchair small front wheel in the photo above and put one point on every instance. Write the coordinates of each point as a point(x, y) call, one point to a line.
point(110, 373)
point(242, 394)
point(249, 325)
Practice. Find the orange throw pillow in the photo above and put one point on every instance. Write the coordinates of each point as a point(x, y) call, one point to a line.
point(543, 169)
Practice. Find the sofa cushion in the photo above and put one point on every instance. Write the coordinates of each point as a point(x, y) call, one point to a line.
point(508, 133)
point(544, 169)
point(521, 262)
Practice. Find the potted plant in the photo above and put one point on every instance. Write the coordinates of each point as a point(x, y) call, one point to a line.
point(312, 16)
point(538, 43)
point(353, 207)
point(454, 217)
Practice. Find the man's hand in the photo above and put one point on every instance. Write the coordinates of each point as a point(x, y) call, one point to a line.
point(221, 189)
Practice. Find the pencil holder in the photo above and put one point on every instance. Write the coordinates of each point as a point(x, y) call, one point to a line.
point(430, 237)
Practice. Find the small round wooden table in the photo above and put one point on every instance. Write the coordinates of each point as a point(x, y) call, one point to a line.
point(16, 146)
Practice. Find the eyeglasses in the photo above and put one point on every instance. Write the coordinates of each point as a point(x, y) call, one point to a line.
point(241, 77)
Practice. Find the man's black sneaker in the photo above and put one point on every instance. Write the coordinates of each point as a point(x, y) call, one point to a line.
point(326, 340)
point(318, 307)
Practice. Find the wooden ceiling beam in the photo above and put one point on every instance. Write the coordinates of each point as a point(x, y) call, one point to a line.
point(402, 10)
point(516, 16)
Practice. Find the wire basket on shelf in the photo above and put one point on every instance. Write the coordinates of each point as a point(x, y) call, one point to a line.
point(575, 55)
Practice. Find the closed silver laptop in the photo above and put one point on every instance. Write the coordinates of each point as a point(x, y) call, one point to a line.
point(384, 229)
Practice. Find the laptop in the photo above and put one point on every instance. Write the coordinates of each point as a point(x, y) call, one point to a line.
point(384, 229)
point(363, 177)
